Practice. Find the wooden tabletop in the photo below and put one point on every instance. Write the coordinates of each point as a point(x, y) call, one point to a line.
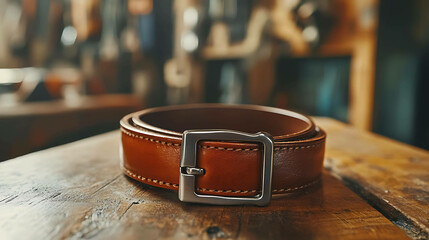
point(78, 191)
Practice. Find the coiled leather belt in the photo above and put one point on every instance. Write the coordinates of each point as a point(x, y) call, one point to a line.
point(222, 154)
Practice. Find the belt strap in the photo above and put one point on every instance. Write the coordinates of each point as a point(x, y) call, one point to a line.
point(152, 138)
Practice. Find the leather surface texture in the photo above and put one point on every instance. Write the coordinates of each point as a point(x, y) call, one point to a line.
point(151, 148)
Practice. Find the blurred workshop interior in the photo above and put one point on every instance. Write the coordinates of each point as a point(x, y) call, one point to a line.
point(70, 69)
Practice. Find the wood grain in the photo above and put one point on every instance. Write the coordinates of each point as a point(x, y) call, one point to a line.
point(392, 176)
point(78, 191)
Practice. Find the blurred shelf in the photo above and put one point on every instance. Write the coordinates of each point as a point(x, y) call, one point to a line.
point(33, 126)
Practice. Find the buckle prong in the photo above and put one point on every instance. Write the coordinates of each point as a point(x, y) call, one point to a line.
point(189, 168)
point(195, 171)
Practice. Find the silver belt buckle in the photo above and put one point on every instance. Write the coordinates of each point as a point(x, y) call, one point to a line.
point(189, 168)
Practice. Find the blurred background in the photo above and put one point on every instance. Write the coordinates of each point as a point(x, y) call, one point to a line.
point(70, 69)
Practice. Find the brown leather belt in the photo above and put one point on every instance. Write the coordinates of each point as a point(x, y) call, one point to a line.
point(222, 154)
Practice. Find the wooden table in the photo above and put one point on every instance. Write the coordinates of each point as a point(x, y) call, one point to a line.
point(78, 191)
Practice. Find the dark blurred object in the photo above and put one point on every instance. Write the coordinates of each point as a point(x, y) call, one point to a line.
point(315, 18)
point(421, 128)
point(402, 83)
point(352, 37)
point(328, 96)
point(230, 37)
point(34, 126)
point(234, 14)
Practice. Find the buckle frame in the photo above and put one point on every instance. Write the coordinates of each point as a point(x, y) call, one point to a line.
point(188, 166)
